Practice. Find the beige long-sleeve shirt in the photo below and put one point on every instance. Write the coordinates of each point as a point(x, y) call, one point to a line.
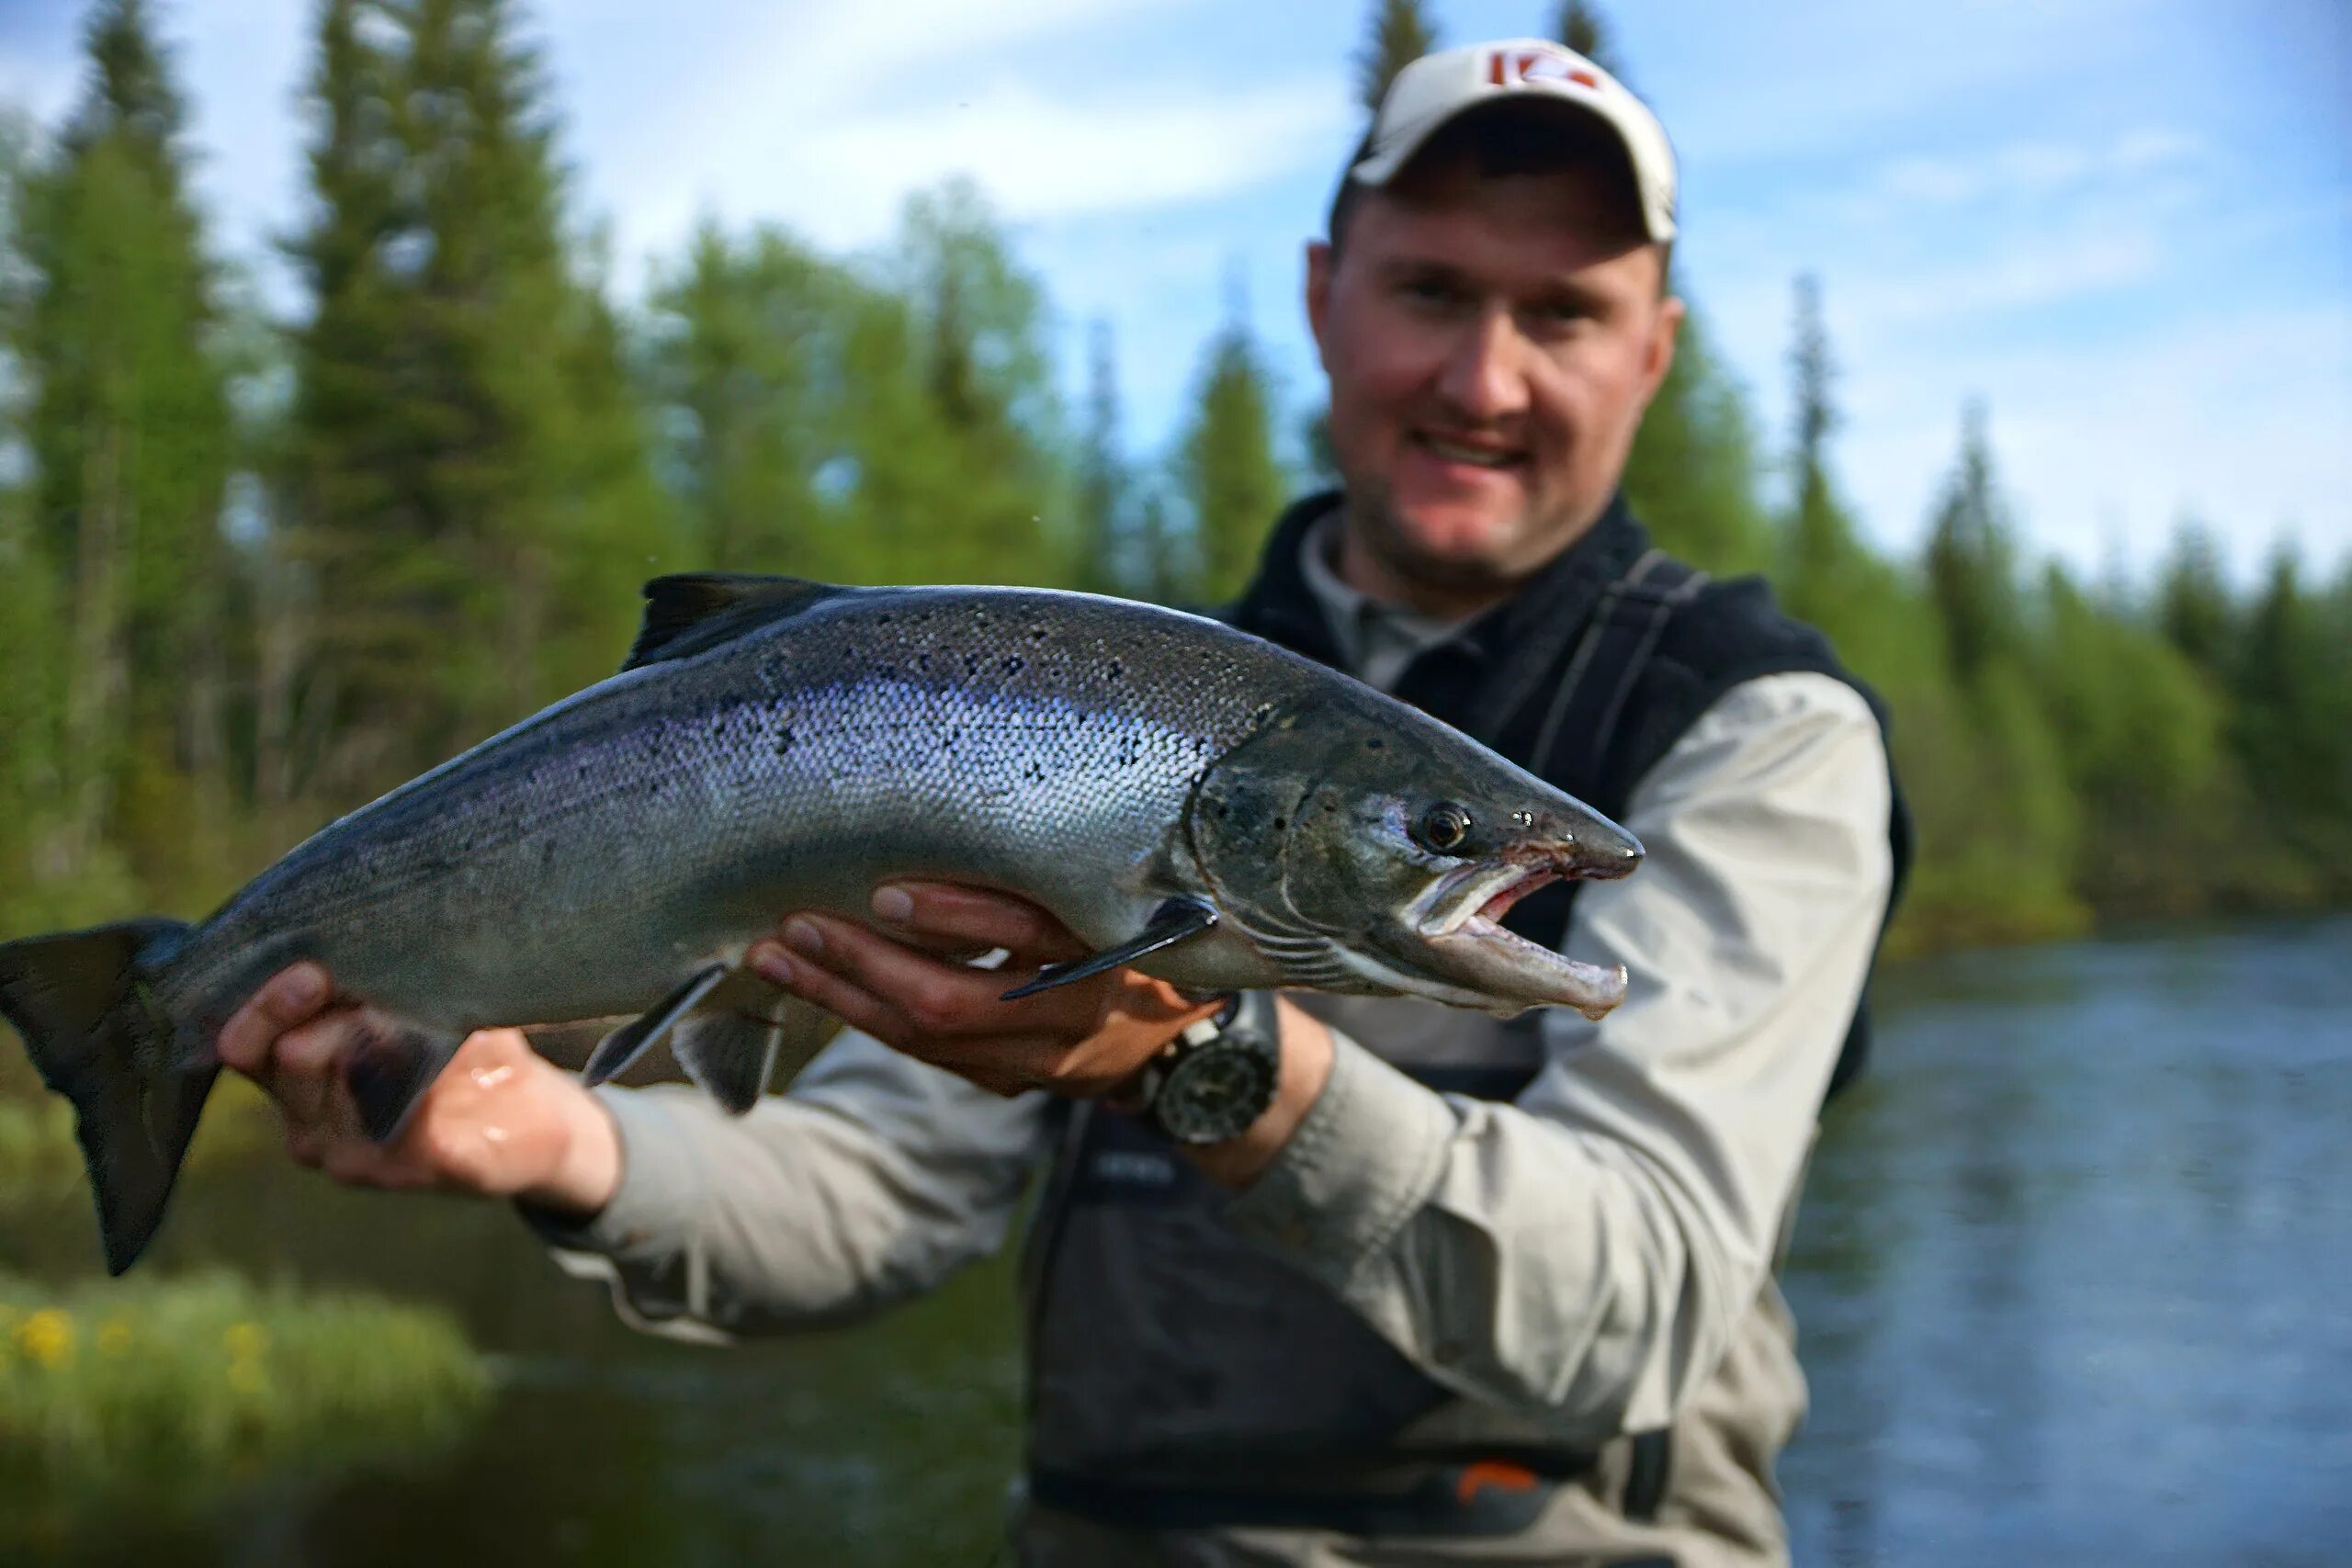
point(1583, 1254)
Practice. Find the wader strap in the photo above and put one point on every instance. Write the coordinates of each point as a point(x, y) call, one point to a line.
point(1622, 633)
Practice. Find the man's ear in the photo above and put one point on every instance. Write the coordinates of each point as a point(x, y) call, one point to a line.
point(1320, 264)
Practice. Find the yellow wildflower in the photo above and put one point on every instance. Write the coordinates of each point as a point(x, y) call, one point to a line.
point(246, 1340)
point(47, 1337)
point(244, 1377)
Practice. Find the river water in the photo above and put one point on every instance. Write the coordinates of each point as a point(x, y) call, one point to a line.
point(2073, 1276)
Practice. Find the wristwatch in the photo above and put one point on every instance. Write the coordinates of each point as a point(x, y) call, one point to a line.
point(1214, 1080)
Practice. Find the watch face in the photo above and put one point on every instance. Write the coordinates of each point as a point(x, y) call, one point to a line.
point(1213, 1093)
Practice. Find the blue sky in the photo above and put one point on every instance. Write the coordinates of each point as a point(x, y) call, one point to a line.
point(2126, 224)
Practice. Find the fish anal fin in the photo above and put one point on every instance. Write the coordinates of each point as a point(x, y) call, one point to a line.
point(689, 613)
point(389, 1069)
point(747, 1030)
point(1177, 919)
point(631, 1040)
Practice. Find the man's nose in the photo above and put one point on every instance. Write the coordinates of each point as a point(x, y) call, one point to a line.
point(1483, 377)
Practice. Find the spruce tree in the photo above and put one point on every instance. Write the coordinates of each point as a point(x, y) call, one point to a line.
point(1229, 471)
point(1972, 560)
point(467, 455)
point(2193, 606)
point(1820, 546)
point(127, 433)
point(1104, 554)
point(1400, 33)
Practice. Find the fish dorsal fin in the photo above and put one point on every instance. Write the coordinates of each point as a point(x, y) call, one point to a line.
point(692, 611)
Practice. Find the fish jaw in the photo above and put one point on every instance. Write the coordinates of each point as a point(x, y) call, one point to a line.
point(1459, 924)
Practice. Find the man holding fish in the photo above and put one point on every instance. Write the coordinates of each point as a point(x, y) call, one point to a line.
point(1324, 1278)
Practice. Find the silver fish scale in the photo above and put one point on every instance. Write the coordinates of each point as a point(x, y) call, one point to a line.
point(583, 863)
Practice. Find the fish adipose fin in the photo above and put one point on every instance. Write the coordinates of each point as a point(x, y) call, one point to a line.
point(1173, 921)
point(83, 1004)
point(745, 1030)
point(687, 613)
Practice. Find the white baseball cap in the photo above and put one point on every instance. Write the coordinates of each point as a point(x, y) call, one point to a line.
point(1437, 88)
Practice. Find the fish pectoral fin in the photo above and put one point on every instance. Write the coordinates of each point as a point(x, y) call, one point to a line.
point(1175, 920)
point(631, 1040)
point(734, 1051)
point(389, 1069)
point(694, 611)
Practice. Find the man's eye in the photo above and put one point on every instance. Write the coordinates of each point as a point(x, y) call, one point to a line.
point(1431, 291)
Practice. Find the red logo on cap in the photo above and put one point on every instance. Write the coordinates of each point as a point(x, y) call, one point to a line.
point(1521, 67)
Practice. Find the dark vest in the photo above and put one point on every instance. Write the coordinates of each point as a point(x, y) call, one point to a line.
point(1180, 1375)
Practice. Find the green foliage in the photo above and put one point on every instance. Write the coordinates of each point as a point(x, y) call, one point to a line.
point(126, 432)
point(1692, 476)
point(260, 571)
point(1400, 32)
point(467, 454)
point(1230, 474)
point(2139, 731)
point(1581, 26)
point(161, 1393)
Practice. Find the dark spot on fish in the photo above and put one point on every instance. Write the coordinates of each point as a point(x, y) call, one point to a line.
point(1036, 634)
point(783, 739)
point(1374, 744)
point(1012, 664)
point(922, 662)
point(971, 664)
point(1117, 670)
point(1280, 824)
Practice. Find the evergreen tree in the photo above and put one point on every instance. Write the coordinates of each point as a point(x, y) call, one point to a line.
point(467, 456)
point(1103, 552)
point(974, 490)
point(1400, 33)
point(745, 365)
point(1972, 560)
point(1693, 476)
point(2139, 730)
point(1230, 474)
point(2289, 684)
point(126, 434)
point(1820, 548)
point(1581, 27)
point(2193, 606)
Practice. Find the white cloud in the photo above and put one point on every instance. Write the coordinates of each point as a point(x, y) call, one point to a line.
point(2037, 169)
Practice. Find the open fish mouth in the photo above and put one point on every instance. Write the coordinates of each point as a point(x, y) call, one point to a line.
point(1461, 918)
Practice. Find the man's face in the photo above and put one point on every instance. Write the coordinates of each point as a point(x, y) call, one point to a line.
point(1491, 343)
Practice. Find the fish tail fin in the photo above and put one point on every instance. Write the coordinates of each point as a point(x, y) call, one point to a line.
point(82, 1002)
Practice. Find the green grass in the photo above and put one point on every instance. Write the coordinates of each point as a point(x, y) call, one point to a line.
point(162, 1393)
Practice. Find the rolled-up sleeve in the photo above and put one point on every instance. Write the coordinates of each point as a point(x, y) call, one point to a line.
point(875, 1178)
point(1584, 1254)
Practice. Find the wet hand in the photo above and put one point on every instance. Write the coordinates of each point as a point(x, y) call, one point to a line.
point(907, 981)
point(501, 1120)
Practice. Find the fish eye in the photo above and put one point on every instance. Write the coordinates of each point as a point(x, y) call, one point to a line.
point(1441, 828)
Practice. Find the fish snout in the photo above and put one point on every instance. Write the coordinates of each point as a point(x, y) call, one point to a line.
point(1585, 845)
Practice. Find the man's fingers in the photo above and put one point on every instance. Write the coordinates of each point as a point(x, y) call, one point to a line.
point(932, 998)
point(971, 917)
point(819, 987)
point(289, 998)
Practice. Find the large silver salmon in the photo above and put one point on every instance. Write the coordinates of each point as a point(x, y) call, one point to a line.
point(1186, 797)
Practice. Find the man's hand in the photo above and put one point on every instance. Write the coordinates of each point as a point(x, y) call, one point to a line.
point(501, 1122)
point(910, 989)
point(907, 986)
